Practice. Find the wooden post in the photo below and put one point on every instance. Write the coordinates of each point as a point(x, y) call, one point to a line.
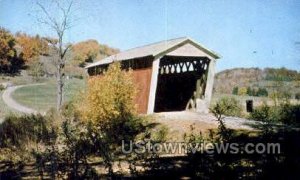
point(153, 86)
point(210, 81)
point(198, 90)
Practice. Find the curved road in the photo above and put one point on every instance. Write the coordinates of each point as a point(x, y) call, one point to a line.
point(9, 101)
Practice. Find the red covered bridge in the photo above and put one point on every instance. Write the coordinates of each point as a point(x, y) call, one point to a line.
point(171, 75)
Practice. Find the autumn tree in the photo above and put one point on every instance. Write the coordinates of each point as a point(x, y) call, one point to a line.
point(86, 51)
point(242, 91)
point(8, 60)
point(59, 20)
point(31, 47)
point(105, 51)
point(109, 96)
point(108, 109)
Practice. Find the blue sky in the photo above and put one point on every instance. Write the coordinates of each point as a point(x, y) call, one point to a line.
point(245, 33)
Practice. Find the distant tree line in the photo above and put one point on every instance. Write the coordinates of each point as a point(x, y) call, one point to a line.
point(23, 51)
point(260, 92)
point(281, 74)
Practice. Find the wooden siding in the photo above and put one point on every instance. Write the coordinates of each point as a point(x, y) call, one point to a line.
point(142, 79)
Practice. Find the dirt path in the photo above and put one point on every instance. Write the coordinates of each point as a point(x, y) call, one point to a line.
point(9, 101)
point(180, 122)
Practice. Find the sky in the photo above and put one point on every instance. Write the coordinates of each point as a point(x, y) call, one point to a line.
point(246, 33)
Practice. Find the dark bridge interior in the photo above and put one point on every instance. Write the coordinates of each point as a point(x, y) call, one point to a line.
point(177, 82)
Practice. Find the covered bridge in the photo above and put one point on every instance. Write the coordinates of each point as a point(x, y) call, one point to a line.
point(171, 75)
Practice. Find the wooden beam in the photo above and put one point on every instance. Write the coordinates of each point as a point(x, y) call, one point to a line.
point(153, 85)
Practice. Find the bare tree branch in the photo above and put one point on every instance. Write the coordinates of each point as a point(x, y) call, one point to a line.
point(59, 26)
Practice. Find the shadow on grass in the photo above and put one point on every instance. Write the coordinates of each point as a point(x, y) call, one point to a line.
point(285, 165)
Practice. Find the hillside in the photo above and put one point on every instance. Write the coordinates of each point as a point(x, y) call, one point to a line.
point(271, 79)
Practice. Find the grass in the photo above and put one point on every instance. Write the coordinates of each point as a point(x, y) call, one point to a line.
point(242, 99)
point(20, 79)
point(43, 97)
point(257, 101)
point(15, 80)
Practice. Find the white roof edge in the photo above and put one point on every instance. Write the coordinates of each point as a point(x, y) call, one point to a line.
point(184, 40)
point(207, 50)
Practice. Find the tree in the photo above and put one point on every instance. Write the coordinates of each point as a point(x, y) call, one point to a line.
point(235, 90)
point(59, 25)
point(7, 50)
point(32, 47)
point(262, 92)
point(297, 96)
point(108, 109)
point(36, 70)
point(225, 107)
point(242, 91)
point(86, 51)
point(108, 97)
point(250, 91)
point(107, 51)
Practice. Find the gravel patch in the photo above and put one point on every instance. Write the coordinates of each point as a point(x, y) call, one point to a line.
point(180, 122)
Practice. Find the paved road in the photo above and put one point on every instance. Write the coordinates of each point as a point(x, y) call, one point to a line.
point(9, 101)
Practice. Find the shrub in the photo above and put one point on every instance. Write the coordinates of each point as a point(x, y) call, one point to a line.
point(290, 114)
point(225, 106)
point(20, 131)
point(108, 97)
point(262, 113)
point(250, 91)
point(228, 106)
point(297, 96)
point(2, 87)
point(235, 90)
point(285, 113)
point(107, 108)
point(242, 91)
point(267, 115)
point(262, 92)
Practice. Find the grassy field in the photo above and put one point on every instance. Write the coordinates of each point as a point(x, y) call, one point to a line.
point(43, 97)
point(257, 101)
point(241, 99)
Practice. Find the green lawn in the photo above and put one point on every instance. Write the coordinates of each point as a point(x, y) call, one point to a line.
point(43, 97)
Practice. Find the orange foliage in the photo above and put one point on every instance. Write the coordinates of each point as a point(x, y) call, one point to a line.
point(88, 51)
point(31, 46)
point(85, 51)
point(7, 51)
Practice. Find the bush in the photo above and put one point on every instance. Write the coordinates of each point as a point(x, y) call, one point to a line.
point(108, 110)
point(297, 96)
point(235, 90)
point(262, 92)
point(229, 106)
point(263, 113)
point(242, 91)
point(20, 131)
point(285, 113)
point(2, 87)
point(290, 114)
point(109, 97)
